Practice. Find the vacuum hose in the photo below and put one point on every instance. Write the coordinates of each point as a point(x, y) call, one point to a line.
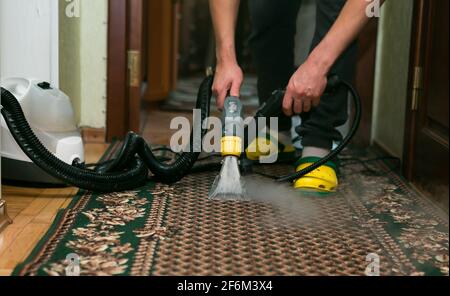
point(130, 168)
point(333, 154)
point(273, 108)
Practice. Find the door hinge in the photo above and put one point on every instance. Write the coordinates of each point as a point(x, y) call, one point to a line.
point(417, 87)
point(134, 68)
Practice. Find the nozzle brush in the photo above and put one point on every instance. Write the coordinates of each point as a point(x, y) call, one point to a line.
point(228, 185)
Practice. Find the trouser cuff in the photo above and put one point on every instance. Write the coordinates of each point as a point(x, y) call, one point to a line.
point(311, 141)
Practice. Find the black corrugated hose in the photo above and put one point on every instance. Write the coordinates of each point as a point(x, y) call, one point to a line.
point(128, 171)
point(273, 108)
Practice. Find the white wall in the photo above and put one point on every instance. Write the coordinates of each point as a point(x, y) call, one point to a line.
point(391, 75)
point(29, 39)
point(83, 51)
point(94, 33)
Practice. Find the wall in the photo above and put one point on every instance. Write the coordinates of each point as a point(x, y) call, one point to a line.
point(391, 75)
point(69, 65)
point(83, 50)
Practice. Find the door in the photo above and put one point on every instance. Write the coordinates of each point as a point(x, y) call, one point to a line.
point(142, 55)
point(162, 57)
point(126, 43)
point(135, 55)
point(427, 123)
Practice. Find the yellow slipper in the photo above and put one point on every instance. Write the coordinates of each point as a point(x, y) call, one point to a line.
point(322, 180)
point(263, 146)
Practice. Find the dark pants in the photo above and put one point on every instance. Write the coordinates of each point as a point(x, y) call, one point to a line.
point(273, 42)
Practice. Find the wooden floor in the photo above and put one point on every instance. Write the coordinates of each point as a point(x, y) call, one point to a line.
point(155, 124)
point(33, 211)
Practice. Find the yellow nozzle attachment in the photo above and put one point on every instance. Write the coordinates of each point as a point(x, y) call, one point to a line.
point(231, 146)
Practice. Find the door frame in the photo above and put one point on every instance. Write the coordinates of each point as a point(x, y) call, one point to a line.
point(129, 47)
point(420, 32)
point(116, 106)
point(123, 97)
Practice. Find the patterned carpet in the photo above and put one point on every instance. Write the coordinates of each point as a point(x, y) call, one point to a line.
point(375, 218)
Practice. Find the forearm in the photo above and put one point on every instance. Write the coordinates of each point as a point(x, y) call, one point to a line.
point(345, 30)
point(224, 16)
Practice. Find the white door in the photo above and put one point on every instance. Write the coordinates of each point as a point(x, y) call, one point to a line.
point(29, 39)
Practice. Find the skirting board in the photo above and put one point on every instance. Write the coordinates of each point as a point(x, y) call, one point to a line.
point(93, 135)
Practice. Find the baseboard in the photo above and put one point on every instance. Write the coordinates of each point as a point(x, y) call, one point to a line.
point(380, 149)
point(383, 149)
point(93, 135)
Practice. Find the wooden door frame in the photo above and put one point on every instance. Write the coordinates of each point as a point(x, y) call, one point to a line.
point(122, 110)
point(117, 105)
point(420, 32)
point(135, 44)
point(162, 58)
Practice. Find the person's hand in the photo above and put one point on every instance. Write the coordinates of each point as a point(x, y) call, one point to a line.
point(304, 89)
point(229, 77)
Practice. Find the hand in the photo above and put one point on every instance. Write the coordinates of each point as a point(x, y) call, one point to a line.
point(229, 77)
point(304, 89)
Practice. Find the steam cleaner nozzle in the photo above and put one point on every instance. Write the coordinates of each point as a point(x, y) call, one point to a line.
point(228, 185)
